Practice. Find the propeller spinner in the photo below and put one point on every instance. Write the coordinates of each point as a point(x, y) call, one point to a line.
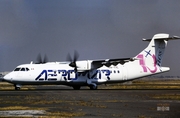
point(73, 60)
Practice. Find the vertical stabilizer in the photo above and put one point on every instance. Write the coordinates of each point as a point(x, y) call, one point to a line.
point(152, 55)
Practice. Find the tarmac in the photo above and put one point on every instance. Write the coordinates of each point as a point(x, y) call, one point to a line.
point(85, 103)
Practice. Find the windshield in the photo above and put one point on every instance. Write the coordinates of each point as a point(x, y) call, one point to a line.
point(21, 69)
point(17, 69)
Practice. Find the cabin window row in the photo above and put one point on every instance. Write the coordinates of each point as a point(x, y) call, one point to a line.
point(115, 71)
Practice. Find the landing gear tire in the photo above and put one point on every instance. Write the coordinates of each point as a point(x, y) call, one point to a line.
point(93, 87)
point(76, 87)
point(17, 88)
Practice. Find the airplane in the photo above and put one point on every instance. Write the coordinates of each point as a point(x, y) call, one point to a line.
point(92, 73)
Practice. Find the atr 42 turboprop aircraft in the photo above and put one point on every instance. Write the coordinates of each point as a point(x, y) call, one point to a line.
point(94, 72)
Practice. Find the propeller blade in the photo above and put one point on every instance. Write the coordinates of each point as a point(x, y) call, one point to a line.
point(45, 59)
point(76, 56)
point(40, 60)
point(68, 58)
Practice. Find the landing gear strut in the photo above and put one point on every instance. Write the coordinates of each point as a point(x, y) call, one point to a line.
point(92, 86)
point(17, 87)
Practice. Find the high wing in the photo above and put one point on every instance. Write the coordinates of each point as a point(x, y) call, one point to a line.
point(109, 62)
point(89, 65)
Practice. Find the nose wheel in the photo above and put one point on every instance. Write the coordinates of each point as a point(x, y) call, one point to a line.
point(17, 86)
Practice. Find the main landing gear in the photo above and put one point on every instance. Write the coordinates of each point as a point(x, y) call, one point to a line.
point(92, 87)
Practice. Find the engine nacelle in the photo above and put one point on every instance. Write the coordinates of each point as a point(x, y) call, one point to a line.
point(84, 65)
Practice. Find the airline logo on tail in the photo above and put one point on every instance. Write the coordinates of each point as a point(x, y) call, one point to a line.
point(143, 63)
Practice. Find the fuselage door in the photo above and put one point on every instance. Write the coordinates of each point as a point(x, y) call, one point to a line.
point(124, 73)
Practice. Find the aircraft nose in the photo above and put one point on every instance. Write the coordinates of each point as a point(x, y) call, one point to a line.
point(7, 77)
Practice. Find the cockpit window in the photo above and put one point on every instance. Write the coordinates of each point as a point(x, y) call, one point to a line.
point(23, 69)
point(17, 69)
point(27, 69)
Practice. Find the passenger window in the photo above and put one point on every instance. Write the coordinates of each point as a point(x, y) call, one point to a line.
point(17, 69)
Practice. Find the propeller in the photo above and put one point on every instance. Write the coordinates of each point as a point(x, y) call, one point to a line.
point(40, 60)
point(73, 60)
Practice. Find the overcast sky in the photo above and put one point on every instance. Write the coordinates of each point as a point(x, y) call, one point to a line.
point(97, 29)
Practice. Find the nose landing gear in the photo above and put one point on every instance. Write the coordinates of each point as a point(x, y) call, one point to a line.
point(17, 86)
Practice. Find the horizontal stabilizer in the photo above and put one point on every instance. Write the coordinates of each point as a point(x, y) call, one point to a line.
point(163, 38)
point(164, 69)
